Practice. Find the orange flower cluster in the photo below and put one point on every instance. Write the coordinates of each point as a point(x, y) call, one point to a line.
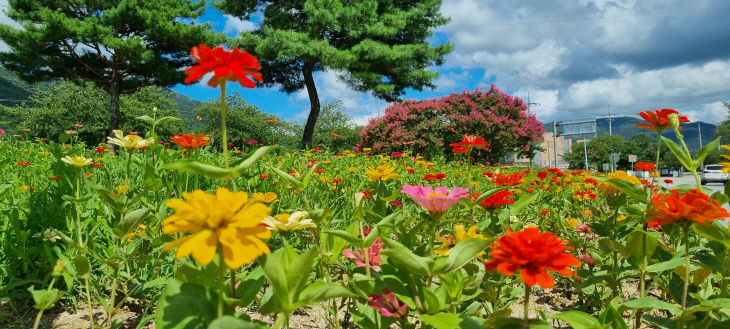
point(509, 180)
point(533, 254)
point(644, 166)
point(693, 206)
point(188, 143)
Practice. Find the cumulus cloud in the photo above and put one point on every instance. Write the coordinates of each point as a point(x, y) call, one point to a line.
point(234, 26)
point(589, 56)
point(5, 20)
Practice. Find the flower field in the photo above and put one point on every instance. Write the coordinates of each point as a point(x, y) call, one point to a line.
point(196, 237)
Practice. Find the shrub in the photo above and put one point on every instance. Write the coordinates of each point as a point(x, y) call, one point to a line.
point(428, 127)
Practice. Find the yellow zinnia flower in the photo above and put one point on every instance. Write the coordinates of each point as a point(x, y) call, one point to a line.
point(351, 169)
point(459, 235)
point(268, 197)
point(76, 161)
point(289, 223)
point(129, 142)
point(229, 219)
point(381, 173)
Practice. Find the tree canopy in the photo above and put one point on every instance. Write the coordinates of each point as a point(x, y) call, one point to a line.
point(377, 46)
point(119, 45)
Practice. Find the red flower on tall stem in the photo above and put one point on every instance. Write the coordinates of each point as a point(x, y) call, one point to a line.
point(469, 142)
point(693, 206)
point(644, 166)
point(658, 120)
point(234, 65)
point(533, 254)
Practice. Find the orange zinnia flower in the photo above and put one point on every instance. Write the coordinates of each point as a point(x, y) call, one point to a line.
point(693, 206)
point(187, 142)
point(532, 253)
point(659, 119)
point(509, 180)
point(235, 65)
point(469, 142)
point(644, 166)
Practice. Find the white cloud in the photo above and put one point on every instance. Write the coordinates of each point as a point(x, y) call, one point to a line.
point(235, 25)
point(5, 20)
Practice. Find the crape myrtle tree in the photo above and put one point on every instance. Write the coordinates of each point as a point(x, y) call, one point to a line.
point(377, 46)
point(119, 45)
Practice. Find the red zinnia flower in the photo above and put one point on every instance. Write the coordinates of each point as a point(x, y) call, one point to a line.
point(97, 164)
point(336, 180)
point(264, 176)
point(659, 119)
point(388, 304)
point(469, 142)
point(509, 180)
point(533, 254)
point(545, 212)
point(187, 142)
point(693, 206)
point(235, 65)
point(24, 163)
point(644, 166)
point(668, 181)
point(496, 200)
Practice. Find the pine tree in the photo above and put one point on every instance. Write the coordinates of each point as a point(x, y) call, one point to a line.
point(120, 45)
point(377, 46)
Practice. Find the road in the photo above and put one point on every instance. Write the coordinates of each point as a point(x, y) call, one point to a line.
point(689, 179)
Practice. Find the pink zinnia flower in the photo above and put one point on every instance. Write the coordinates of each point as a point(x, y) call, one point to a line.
point(373, 255)
point(435, 201)
point(2, 132)
point(388, 304)
point(253, 141)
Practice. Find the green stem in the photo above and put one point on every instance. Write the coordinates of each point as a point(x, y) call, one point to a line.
point(224, 136)
point(686, 266)
point(365, 252)
point(658, 149)
point(77, 206)
point(221, 292)
point(40, 312)
point(526, 306)
point(129, 165)
point(689, 156)
point(88, 301)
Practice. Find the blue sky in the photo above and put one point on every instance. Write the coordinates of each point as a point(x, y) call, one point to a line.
point(576, 59)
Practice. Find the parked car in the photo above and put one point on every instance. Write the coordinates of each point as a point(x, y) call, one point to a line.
point(713, 174)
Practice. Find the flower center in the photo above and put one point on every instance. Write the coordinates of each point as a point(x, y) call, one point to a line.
point(434, 195)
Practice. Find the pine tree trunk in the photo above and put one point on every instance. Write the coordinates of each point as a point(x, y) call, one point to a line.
point(314, 105)
point(116, 115)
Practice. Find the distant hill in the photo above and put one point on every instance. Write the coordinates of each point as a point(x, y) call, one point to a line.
point(14, 91)
point(626, 126)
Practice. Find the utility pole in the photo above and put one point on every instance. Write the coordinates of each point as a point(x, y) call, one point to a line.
point(699, 132)
point(610, 128)
point(529, 103)
point(555, 142)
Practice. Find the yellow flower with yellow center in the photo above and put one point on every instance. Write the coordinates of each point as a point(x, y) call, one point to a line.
point(268, 197)
point(607, 189)
point(589, 185)
point(327, 161)
point(99, 159)
point(382, 173)
point(351, 155)
point(587, 213)
point(367, 149)
point(44, 153)
point(351, 169)
point(288, 223)
point(474, 184)
point(227, 219)
point(621, 218)
point(459, 235)
point(571, 221)
point(307, 154)
point(129, 142)
point(76, 161)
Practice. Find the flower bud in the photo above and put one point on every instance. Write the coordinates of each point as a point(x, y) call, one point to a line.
point(674, 120)
point(59, 268)
point(588, 260)
point(154, 109)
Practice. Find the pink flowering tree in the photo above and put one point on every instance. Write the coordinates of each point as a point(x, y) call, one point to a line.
point(428, 127)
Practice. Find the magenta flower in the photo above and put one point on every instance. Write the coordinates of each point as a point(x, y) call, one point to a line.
point(388, 304)
point(373, 255)
point(435, 201)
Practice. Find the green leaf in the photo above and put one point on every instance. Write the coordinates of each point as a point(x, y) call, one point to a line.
point(403, 256)
point(164, 120)
point(289, 178)
point(462, 253)
point(147, 119)
point(81, 263)
point(578, 319)
point(640, 244)
point(682, 156)
point(201, 169)
point(522, 202)
point(308, 177)
point(238, 168)
point(320, 291)
point(651, 303)
point(108, 196)
point(612, 245)
point(45, 298)
point(250, 286)
point(352, 239)
point(130, 221)
point(152, 180)
point(666, 266)
point(714, 232)
point(627, 188)
point(709, 305)
point(186, 305)
point(450, 321)
point(704, 152)
point(231, 322)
